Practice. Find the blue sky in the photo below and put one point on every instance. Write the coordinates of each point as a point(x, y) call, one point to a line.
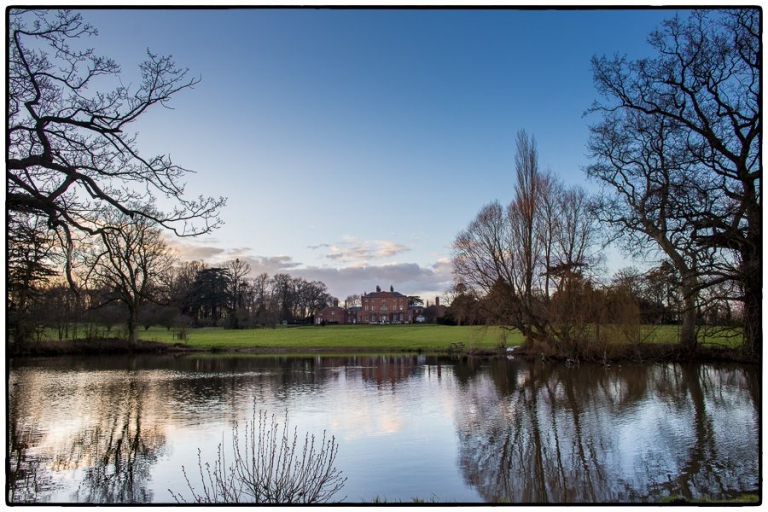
point(353, 145)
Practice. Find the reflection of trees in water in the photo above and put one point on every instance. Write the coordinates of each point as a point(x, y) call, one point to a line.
point(27, 478)
point(527, 433)
point(531, 443)
point(206, 384)
point(117, 452)
point(388, 369)
point(720, 462)
point(551, 434)
point(113, 449)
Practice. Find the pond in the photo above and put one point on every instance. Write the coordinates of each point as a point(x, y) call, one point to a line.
point(120, 429)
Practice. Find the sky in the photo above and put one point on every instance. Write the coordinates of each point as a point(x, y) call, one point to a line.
point(353, 145)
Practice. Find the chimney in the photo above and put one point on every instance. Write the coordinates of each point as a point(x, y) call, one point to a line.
point(335, 303)
point(391, 288)
point(437, 301)
point(378, 288)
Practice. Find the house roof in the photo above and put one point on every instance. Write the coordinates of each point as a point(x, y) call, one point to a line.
point(383, 295)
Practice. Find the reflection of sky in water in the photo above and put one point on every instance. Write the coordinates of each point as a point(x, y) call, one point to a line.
point(406, 428)
point(656, 436)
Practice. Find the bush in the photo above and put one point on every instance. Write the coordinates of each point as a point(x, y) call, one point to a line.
point(268, 468)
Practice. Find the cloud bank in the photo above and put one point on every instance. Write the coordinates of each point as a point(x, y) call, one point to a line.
point(355, 275)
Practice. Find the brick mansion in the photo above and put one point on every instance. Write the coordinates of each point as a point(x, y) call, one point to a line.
point(380, 307)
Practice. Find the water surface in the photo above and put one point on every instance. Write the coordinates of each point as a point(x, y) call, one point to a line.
point(119, 430)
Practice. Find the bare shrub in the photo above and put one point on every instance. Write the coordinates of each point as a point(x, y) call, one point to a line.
point(269, 467)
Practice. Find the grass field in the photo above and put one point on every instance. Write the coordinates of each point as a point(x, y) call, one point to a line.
point(357, 338)
point(343, 337)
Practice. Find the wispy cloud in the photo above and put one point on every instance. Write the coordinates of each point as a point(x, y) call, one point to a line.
point(192, 251)
point(353, 251)
point(271, 265)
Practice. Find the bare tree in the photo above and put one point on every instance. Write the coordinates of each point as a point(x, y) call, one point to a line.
point(238, 271)
point(550, 192)
point(524, 215)
point(510, 256)
point(129, 261)
point(486, 259)
point(283, 296)
point(269, 466)
point(480, 257)
point(649, 195)
point(705, 83)
point(265, 312)
point(576, 230)
point(69, 156)
point(311, 297)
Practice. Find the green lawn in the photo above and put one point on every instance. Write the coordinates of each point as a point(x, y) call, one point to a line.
point(343, 337)
point(708, 335)
point(355, 338)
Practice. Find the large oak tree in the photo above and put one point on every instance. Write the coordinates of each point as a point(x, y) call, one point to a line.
point(70, 154)
point(703, 87)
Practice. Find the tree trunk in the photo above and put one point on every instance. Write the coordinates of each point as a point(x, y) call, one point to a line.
point(688, 321)
point(753, 313)
point(688, 327)
point(133, 323)
point(752, 279)
point(20, 325)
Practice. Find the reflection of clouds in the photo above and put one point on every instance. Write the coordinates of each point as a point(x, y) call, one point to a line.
point(357, 414)
point(393, 399)
point(365, 421)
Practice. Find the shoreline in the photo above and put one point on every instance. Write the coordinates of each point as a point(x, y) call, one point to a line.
point(616, 354)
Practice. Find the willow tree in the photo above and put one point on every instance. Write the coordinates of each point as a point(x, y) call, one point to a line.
point(705, 84)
